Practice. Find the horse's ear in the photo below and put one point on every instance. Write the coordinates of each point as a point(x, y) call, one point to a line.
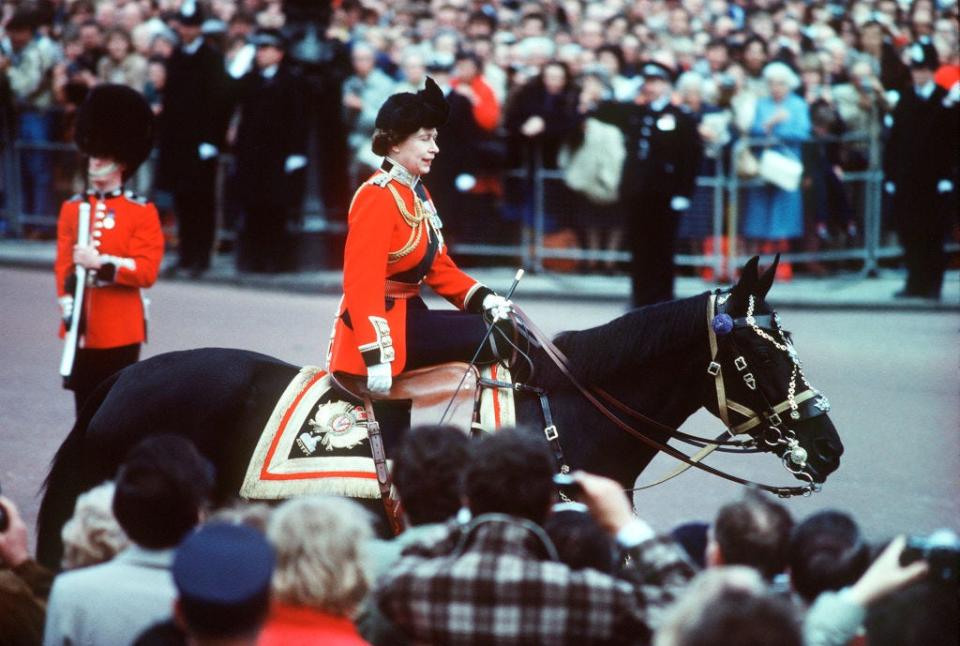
point(746, 285)
point(765, 282)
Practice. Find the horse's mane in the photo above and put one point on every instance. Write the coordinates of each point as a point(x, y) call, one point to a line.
point(634, 338)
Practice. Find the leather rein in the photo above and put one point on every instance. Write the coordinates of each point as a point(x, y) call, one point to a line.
point(800, 406)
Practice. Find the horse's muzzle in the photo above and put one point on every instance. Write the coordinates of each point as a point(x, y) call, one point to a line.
point(820, 439)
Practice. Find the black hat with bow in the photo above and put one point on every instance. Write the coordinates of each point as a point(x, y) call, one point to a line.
point(406, 112)
point(115, 122)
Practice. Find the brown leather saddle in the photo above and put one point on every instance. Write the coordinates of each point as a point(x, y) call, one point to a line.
point(428, 390)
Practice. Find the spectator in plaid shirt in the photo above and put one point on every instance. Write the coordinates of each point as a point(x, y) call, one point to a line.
point(498, 579)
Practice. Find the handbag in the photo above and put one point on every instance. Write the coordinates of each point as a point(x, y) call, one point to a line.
point(781, 170)
point(594, 169)
point(746, 164)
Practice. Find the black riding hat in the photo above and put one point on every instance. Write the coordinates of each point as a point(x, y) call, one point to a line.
point(406, 112)
point(115, 122)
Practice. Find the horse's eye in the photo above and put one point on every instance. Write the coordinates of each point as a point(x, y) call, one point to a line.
point(763, 356)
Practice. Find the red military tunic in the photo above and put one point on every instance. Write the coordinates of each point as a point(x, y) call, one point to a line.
point(126, 231)
point(390, 231)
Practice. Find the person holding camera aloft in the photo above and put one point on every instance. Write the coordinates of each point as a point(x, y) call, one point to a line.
point(24, 584)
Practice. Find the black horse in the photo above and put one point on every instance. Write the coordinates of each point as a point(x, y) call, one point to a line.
point(654, 360)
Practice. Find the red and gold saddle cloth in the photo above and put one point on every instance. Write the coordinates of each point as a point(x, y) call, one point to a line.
point(315, 441)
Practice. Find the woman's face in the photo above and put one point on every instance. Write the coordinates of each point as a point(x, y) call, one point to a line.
point(416, 152)
point(554, 79)
point(811, 78)
point(118, 47)
point(754, 57)
point(778, 88)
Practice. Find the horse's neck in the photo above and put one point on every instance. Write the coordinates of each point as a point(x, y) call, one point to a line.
point(668, 388)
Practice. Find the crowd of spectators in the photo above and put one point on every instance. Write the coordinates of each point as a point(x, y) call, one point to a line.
point(523, 76)
point(489, 556)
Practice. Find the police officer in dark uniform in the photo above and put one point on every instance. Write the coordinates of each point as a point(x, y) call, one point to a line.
point(192, 128)
point(659, 176)
point(270, 155)
point(919, 168)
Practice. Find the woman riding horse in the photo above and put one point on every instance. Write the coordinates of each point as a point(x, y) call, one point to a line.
point(394, 243)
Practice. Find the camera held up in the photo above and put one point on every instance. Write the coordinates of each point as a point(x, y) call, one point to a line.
point(941, 550)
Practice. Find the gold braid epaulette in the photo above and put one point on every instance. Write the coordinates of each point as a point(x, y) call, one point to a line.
point(415, 220)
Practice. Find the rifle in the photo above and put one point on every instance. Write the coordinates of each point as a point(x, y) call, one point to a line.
point(72, 339)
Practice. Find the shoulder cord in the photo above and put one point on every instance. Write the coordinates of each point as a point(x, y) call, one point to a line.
point(415, 220)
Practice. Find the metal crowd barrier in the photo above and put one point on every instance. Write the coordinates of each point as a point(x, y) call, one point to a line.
point(720, 203)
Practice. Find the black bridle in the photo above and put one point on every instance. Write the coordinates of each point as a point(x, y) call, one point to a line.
point(720, 325)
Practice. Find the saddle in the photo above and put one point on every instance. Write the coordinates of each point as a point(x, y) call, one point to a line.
point(320, 440)
point(429, 390)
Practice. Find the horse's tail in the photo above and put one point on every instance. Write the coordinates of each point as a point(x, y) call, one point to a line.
point(66, 481)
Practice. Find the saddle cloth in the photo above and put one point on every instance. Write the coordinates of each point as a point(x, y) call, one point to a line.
point(315, 441)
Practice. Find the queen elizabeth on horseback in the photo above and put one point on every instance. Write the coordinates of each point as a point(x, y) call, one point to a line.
point(394, 244)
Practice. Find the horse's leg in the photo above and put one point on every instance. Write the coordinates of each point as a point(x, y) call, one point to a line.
point(68, 478)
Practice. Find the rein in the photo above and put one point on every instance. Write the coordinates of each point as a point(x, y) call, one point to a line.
point(770, 414)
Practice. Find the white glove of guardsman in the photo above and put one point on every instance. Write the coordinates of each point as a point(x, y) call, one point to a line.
point(497, 307)
point(379, 378)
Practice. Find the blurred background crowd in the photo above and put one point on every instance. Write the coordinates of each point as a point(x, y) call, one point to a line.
point(821, 77)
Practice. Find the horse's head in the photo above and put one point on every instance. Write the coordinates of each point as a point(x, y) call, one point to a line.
point(758, 381)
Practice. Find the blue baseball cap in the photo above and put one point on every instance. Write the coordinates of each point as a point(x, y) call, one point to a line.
point(222, 573)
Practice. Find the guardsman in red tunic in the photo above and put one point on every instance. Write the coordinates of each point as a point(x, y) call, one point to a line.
point(395, 243)
point(114, 130)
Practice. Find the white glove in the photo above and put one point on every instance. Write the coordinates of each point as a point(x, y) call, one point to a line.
point(242, 61)
point(679, 203)
point(66, 308)
point(207, 151)
point(379, 378)
point(497, 306)
point(890, 187)
point(294, 163)
point(944, 186)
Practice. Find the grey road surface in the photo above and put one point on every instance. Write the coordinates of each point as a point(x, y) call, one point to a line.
point(892, 379)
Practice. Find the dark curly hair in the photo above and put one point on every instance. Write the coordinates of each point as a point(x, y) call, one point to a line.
point(512, 473)
point(428, 472)
point(161, 488)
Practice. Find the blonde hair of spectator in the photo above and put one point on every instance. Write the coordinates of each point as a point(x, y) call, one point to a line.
point(690, 82)
point(321, 553)
point(811, 62)
point(708, 586)
point(92, 535)
point(535, 50)
point(252, 514)
point(781, 72)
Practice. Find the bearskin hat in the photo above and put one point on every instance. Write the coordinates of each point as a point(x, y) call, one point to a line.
point(115, 122)
point(406, 112)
